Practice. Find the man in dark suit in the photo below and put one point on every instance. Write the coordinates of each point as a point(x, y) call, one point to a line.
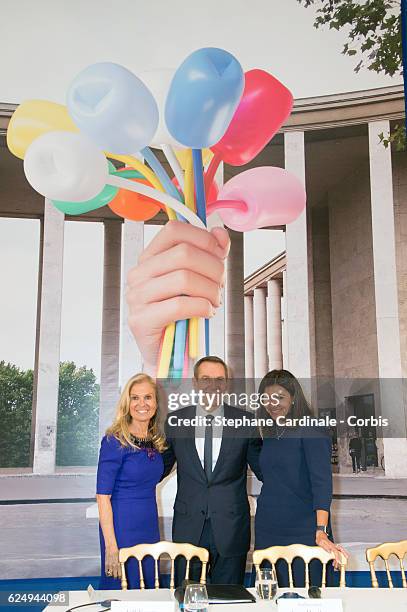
point(211, 507)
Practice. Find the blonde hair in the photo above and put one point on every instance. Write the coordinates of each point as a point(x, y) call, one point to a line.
point(120, 427)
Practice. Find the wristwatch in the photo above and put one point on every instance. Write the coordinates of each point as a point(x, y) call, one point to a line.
point(322, 528)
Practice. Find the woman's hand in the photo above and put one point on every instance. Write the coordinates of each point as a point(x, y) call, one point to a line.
point(112, 565)
point(178, 276)
point(322, 540)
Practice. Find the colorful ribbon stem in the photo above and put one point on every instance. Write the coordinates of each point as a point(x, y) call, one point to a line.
point(181, 329)
point(211, 171)
point(200, 210)
point(166, 351)
point(175, 165)
point(162, 175)
point(165, 198)
point(180, 326)
point(199, 184)
point(220, 204)
point(193, 335)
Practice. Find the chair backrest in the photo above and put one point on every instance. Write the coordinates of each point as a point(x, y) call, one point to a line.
point(307, 553)
point(384, 551)
point(173, 550)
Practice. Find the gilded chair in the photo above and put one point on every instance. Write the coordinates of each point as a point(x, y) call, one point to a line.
point(173, 550)
point(307, 553)
point(399, 549)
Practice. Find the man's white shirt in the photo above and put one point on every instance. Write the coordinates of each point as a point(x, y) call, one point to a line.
point(216, 434)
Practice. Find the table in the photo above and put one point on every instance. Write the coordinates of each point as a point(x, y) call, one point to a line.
point(354, 600)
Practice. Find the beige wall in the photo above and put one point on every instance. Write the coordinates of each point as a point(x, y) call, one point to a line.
point(400, 214)
point(352, 284)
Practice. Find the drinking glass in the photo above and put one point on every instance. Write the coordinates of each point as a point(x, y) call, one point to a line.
point(196, 598)
point(266, 583)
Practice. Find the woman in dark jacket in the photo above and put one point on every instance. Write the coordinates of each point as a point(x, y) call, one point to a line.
point(295, 500)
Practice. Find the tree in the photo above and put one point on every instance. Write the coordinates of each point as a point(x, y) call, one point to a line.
point(16, 392)
point(78, 415)
point(374, 38)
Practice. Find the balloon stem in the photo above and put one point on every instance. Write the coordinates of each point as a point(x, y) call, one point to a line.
point(175, 165)
point(200, 209)
point(165, 198)
point(223, 204)
point(162, 175)
point(210, 173)
point(199, 184)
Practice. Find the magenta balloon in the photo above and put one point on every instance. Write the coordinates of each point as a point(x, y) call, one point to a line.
point(272, 195)
point(265, 105)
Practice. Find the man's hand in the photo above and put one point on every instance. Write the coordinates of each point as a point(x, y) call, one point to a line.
point(179, 275)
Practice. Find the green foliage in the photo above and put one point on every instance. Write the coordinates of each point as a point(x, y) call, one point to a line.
point(78, 416)
point(374, 30)
point(16, 390)
point(78, 408)
point(374, 33)
point(397, 138)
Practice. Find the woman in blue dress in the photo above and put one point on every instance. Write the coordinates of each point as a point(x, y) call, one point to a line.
point(130, 466)
point(294, 504)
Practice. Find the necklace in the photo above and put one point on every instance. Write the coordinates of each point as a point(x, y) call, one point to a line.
point(146, 444)
point(141, 440)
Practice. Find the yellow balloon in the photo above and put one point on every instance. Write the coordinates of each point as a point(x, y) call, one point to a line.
point(182, 156)
point(34, 118)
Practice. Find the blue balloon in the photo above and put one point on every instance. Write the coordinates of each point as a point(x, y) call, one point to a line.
point(113, 108)
point(203, 96)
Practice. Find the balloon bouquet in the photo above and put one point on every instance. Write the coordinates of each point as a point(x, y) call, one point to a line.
point(210, 111)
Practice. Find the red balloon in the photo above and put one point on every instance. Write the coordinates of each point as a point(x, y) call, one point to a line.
point(134, 206)
point(265, 105)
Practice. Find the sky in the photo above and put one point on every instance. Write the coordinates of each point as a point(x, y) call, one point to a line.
point(49, 45)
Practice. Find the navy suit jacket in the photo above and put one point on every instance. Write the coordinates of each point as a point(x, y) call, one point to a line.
point(224, 498)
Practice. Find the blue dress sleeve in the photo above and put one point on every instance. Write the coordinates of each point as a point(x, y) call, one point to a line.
point(110, 462)
point(317, 452)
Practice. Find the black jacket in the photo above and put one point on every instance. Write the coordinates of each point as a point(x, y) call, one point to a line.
point(223, 499)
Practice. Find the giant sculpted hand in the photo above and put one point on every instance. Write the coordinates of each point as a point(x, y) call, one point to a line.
point(178, 276)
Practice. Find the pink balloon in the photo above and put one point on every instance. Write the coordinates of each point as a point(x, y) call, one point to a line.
point(265, 105)
point(272, 197)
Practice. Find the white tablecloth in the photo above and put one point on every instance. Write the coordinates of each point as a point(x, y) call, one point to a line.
point(354, 600)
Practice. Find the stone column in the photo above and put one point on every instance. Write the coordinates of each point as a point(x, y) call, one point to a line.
point(45, 405)
point(284, 339)
point(274, 346)
point(386, 300)
point(249, 336)
point(297, 326)
point(133, 244)
point(109, 375)
point(260, 332)
point(235, 306)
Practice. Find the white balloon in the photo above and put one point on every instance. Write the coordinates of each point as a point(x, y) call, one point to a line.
point(65, 166)
point(159, 81)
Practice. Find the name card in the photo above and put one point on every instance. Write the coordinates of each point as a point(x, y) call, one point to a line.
point(143, 606)
point(310, 605)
